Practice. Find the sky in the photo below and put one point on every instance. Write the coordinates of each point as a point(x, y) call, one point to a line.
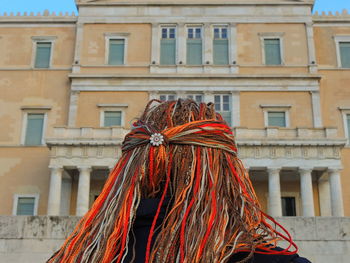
point(69, 5)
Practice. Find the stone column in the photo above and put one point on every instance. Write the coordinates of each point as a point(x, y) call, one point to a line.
point(275, 204)
point(181, 46)
point(311, 47)
point(54, 203)
point(233, 48)
point(208, 44)
point(236, 109)
point(324, 196)
point(83, 191)
point(155, 44)
point(208, 96)
point(316, 109)
point(336, 192)
point(307, 198)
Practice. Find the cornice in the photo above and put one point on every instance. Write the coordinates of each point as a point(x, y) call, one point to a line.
point(81, 3)
point(194, 76)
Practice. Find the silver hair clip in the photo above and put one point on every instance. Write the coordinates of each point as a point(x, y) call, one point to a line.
point(156, 139)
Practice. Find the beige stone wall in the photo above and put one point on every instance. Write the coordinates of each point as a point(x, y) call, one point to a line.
point(252, 115)
point(19, 45)
point(294, 48)
point(138, 48)
point(335, 92)
point(24, 170)
point(89, 114)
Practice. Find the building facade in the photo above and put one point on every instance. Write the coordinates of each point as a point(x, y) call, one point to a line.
point(71, 85)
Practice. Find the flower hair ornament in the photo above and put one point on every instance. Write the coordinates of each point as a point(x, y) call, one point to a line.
point(186, 151)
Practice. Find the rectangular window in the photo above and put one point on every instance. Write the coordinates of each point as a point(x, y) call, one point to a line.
point(277, 119)
point(348, 123)
point(25, 206)
point(196, 97)
point(223, 106)
point(43, 54)
point(288, 206)
point(220, 46)
point(116, 51)
point(272, 49)
point(168, 46)
point(167, 97)
point(194, 46)
point(34, 129)
point(112, 118)
point(344, 49)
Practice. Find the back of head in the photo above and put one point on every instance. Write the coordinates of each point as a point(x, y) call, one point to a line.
point(186, 151)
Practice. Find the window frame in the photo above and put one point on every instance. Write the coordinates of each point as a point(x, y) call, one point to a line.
point(112, 107)
point(33, 110)
point(168, 26)
point(116, 36)
point(297, 197)
point(167, 95)
point(194, 96)
point(345, 111)
point(202, 38)
point(228, 38)
point(272, 35)
point(276, 108)
point(338, 39)
point(221, 105)
point(42, 39)
point(15, 202)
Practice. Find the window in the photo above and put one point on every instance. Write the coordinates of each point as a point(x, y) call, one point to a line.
point(272, 51)
point(166, 97)
point(43, 54)
point(196, 97)
point(34, 129)
point(288, 206)
point(220, 46)
point(344, 50)
point(116, 52)
point(348, 125)
point(168, 46)
point(25, 205)
point(277, 118)
point(112, 118)
point(223, 106)
point(194, 46)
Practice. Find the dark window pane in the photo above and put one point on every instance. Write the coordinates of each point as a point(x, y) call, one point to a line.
point(113, 118)
point(43, 55)
point(272, 52)
point(194, 52)
point(25, 206)
point(345, 54)
point(224, 33)
point(288, 206)
point(34, 129)
point(116, 52)
point(277, 119)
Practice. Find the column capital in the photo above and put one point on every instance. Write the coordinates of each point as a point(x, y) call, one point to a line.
point(56, 167)
point(334, 170)
point(273, 169)
point(84, 168)
point(305, 170)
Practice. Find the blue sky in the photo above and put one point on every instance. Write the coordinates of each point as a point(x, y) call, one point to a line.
point(69, 5)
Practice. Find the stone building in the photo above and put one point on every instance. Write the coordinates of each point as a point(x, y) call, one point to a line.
point(71, 85)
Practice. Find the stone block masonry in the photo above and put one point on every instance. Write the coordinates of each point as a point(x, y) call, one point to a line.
point(33, 239)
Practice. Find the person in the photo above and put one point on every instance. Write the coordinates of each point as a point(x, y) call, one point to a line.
point(179, 193)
